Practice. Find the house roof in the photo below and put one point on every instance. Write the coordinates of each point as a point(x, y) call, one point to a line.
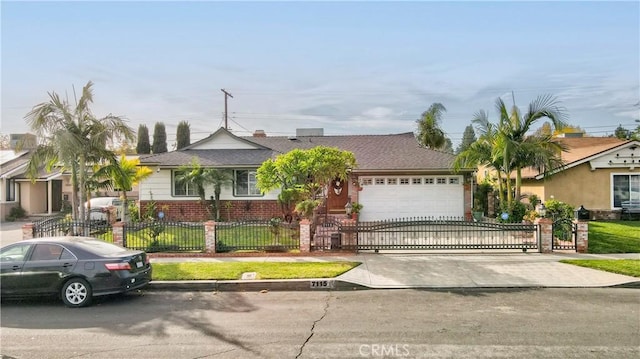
point(394, 152)
point(580, 150)
point(209, 158)
point(11, 161)
point(372, 152)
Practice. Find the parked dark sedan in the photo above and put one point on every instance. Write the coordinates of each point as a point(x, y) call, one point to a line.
point(76, 268)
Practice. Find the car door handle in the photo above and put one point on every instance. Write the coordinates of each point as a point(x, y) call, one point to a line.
point(16, 268)
point(67, 265)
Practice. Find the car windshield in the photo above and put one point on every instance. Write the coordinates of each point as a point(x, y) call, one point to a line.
point(100, 247)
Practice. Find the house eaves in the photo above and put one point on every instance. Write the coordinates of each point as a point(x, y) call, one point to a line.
point(590, 158)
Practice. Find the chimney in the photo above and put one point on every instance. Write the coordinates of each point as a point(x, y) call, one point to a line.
point(259, 133)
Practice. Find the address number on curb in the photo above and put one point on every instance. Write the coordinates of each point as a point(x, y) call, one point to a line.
point(322, 284)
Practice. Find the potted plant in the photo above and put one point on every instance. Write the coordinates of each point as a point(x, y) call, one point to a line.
point(355, 210)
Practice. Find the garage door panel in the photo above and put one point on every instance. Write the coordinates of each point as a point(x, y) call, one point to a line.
point(387, 201)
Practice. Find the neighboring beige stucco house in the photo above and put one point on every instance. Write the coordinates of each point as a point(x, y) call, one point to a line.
point(599, 173)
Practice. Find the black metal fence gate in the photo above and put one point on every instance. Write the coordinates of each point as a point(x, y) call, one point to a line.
point(564, 234)
point(437, 234)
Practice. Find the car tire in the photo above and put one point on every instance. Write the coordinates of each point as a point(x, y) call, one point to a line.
point(76, 292)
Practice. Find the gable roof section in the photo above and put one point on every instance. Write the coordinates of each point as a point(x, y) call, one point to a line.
point(223, 139)
point(12, 162)
point(581, 150)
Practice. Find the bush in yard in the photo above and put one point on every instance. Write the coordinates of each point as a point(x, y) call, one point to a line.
point(15, 213)
point(557, 210)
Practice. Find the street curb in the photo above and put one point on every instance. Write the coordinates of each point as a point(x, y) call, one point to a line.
point(321, 284)
point(324, 284)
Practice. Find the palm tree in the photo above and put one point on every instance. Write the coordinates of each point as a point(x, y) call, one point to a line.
point(507, 146)
point(123, 174)
point(514, 148)
point(73, 138)
point(430, 134)
point(200, 177)
point(480, 152)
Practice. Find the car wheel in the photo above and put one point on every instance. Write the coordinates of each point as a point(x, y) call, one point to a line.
point(76, 292)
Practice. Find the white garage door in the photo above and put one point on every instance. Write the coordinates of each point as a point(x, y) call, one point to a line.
point(386, 197)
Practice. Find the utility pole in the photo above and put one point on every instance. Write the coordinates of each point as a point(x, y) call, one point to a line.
point(226, 95)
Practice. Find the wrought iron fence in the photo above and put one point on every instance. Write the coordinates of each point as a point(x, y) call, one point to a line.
point(61, 226)
point(441, 233)
point(564, 234)
point(257, 235)
point(165, 236)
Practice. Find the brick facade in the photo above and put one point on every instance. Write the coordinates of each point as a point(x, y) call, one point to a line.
point(194, 211)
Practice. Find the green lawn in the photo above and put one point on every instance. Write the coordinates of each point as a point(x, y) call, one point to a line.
point(614, 237)
point(264, 270)
point(629, 267)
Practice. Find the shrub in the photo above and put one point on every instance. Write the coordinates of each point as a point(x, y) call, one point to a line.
point(15, 213)
point(558, 210)
point(515, 213)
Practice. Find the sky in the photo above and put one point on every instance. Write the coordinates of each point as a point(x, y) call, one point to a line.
point(346, 67)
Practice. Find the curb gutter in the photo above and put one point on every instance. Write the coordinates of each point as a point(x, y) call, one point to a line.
point(254, 285)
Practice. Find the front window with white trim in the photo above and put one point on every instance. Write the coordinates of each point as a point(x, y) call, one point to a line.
point(183, 188)
point(626, 187)
point(245, 183)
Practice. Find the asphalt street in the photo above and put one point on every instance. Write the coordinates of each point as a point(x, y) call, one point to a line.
point(469, 323)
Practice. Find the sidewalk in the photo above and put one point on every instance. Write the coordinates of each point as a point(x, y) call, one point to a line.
point(428, 271)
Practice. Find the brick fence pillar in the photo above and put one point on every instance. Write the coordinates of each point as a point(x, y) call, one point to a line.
point(305, 236)
point(582, 236)
point(27, 231)
point(210, 236)
point(118, 233)
point(545, 235)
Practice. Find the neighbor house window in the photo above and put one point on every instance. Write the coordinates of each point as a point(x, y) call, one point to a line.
point(11, 190)
point(183, 189)
point(245, 183)
point(625, 188)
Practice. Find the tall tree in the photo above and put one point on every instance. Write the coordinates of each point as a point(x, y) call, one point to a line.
point(123, 174)
point(143, 147)
point(159, 138)
point(183, 135)
point(513, 128)
point(430, 134)
point(507, 147)
point(448, 146)
point(72, 137)
point(468, 137)
point(622, 133)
